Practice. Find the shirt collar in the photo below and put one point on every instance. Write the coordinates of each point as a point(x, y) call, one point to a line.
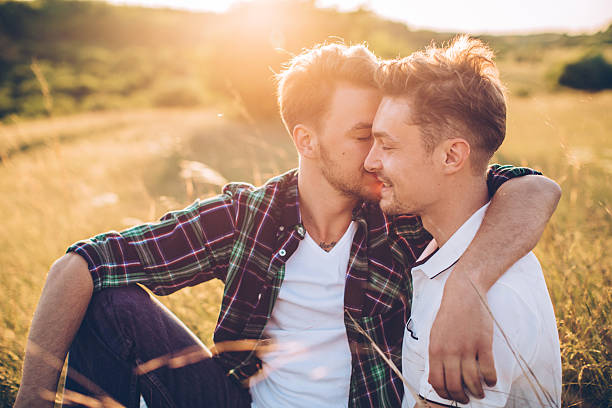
point(448, 255)
point(290, 208)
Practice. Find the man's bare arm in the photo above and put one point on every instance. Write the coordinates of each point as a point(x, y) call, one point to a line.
point(461, 338)
point(59, 313)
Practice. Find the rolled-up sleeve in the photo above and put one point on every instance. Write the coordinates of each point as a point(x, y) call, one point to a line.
point(498, 175)
point(184, 248)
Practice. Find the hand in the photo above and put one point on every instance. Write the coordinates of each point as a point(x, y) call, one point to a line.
point(461, 342)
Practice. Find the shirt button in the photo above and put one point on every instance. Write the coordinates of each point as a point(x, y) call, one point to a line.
point(282, 252)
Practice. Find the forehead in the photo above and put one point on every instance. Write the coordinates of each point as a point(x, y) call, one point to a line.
point(352, 103)
point(392, 116)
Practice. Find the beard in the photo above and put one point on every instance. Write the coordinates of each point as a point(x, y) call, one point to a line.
point(391, 206)
point(350, 184)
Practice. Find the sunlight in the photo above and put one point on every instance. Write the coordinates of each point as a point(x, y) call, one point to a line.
point(472, 16)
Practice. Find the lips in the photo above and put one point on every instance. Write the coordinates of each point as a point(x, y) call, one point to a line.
point(386, 183)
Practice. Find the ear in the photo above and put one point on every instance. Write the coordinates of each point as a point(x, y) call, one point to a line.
point(305, 141)
point(455, 153)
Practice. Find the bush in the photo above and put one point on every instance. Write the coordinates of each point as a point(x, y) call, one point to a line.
point(591, 73)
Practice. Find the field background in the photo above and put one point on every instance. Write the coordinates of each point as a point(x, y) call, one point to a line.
point(108, 115)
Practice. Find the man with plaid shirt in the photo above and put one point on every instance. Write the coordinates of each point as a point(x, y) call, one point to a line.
point(128, 345)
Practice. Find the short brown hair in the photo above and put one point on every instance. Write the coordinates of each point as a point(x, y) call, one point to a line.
point(454, 90)
point(308, 80)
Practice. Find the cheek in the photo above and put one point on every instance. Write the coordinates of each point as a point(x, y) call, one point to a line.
point(362, 150)
point(402, 178)
point(394, 168)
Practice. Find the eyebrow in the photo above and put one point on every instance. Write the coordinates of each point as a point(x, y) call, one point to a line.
point(381, 135)
point(362, 125)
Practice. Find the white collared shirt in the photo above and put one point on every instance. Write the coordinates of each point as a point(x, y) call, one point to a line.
point(521, 305)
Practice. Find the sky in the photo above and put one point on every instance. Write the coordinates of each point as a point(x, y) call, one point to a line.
point(470, 16)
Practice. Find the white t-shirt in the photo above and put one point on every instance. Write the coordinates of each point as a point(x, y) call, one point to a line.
point(311, 365)
point(521, 305)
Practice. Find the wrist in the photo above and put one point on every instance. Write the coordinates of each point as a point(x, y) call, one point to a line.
point(468, 281)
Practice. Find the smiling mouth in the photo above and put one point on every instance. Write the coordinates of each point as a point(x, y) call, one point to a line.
point(385, 183)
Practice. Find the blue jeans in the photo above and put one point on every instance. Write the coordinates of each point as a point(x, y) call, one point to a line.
point(126, 327)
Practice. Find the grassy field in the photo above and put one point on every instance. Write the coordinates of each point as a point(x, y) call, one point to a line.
point(65, 179)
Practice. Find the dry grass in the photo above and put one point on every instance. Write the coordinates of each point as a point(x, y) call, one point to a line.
point(64, 189)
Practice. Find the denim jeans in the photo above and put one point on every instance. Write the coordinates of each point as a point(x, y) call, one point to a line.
point(126, 328)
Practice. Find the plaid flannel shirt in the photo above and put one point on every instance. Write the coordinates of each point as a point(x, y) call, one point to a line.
point(244, 237)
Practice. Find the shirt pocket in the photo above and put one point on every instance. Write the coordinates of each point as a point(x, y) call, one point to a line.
point(411, 330)
point(414, 348)
point(413, 357)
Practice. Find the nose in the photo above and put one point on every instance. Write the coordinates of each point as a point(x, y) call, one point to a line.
point(372, 163)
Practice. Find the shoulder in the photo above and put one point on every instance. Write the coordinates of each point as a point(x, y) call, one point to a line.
point(252, 205)
point(275, 186)
point(518, 287)
point(524, 279)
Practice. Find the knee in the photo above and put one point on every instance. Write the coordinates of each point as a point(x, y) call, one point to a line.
point(114, 303)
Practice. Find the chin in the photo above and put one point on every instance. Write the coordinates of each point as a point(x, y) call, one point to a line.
point(371, 192)
point(389, 207)
point(371, 195)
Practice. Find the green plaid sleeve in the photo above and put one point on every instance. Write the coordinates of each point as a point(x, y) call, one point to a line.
point(184, 248)
point(498, 174)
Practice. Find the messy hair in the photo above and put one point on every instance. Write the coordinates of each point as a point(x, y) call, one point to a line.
point(306, 84)
point(453, 91)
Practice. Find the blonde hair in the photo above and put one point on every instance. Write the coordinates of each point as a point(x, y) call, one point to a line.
point(453, 91)
point(306, 84)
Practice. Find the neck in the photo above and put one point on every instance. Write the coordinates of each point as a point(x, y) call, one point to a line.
point(326, 212)
point(462, 197)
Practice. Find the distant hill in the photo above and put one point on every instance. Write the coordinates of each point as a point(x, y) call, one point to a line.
point(93, 55)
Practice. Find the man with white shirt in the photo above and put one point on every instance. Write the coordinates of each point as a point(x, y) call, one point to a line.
point(441, 118)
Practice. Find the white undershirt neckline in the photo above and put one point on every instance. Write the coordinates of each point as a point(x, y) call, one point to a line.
point(348, 234)
point(312, 363)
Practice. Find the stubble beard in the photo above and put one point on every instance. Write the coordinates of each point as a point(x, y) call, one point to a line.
point(391, 206)
point(350, 187)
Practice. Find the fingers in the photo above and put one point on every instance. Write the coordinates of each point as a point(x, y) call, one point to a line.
point(436, 377)
point(452, 378)
point(471, 377)
point(445, 373)
point(487, 367)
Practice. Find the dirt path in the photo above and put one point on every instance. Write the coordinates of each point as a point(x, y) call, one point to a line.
point(24, 136)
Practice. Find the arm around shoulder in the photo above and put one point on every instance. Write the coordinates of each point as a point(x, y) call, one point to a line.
point(515, 221)
point(513, 224)
point(58, 316)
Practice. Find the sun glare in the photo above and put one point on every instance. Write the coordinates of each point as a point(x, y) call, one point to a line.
point(472, 16)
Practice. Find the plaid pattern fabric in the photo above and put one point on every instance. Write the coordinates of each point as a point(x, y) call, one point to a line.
point(244, 237)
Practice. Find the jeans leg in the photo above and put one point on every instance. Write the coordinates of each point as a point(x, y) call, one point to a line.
point(126, 328)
